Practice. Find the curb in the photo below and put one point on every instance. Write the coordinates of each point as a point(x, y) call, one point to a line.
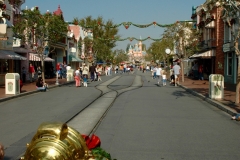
point(211, 101)
point(31, 92)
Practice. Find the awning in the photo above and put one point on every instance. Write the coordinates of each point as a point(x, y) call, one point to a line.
point(8, 54)
point(73, 58)
point(35, 57)
point(189, 60)
point(207, 54)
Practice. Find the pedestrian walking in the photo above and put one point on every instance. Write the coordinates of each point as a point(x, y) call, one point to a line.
point(92, 70)
point(200, 72)
point(176, 70)
point(116, 69)
point(24, 73)
point(85, 70)
point(154, 72)
point(124, 68)
point(158, 74)
point(109, 70)
point(106, 70)
point(31, 72)
point(77, 77)
point(99, 72)
point(85, 81)
point(121, 69)
point(164, 78)
point(64, 70)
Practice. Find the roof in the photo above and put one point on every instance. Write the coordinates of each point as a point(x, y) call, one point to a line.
point(76, 31)
point(58, 12)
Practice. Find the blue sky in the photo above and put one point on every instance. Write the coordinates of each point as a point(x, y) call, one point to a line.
point(135, 11)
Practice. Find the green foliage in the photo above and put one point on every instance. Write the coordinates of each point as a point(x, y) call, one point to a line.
point(101, 154)
point(120, 56)
point(156, 51)
point(101, 48)
point(34, 27)
point(39, 31)
point(183, 37)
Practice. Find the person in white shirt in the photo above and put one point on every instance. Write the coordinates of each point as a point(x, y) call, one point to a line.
point(68, 67)
point(158, 74)
point(147, 68)
point(164, 78)
point(176, 70)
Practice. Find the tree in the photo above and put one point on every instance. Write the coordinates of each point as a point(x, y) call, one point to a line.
point(119, 56)
point(157, 50)
point(102, 41)
point(38, 31)
point(184, 39)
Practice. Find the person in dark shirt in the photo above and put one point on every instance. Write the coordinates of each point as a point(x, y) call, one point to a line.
point(92, 70)
point(41, 85)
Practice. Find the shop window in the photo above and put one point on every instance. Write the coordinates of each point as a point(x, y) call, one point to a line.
point(229, 64)
point(4, 66)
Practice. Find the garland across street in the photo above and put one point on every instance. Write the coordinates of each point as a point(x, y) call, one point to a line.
point(127, 25)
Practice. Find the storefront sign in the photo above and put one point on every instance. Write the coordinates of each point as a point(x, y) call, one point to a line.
point(226, 47)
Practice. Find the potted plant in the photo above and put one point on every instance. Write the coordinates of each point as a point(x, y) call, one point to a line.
point(75, 21)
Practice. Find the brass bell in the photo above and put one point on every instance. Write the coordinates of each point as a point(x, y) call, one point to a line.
point(57, 141)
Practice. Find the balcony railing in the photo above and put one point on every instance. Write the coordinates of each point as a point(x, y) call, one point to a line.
point(206, 44)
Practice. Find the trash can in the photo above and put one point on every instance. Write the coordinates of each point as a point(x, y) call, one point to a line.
point(216, 86)
point(70, 73)
point(12, 83)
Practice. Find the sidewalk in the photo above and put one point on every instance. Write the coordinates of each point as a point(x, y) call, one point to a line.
point(202, 88)
point(29, 88)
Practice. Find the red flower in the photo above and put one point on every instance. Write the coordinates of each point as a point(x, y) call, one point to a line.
point(92, 142)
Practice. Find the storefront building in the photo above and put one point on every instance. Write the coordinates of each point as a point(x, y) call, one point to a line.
point(211, 28)
point(10, 61)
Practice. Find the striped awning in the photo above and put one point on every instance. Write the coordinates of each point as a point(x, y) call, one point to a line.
point(207, 54)
point(35, 57)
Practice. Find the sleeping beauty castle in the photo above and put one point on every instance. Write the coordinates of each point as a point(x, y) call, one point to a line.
point(136, 52)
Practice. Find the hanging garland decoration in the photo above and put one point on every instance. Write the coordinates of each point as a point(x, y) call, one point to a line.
point(128, 24)
point(128, 38)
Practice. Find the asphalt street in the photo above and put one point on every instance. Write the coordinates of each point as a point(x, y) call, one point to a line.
point(167, 123)
point(139, 120)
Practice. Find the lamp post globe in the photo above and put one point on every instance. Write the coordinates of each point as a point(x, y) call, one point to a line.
point(167, 51)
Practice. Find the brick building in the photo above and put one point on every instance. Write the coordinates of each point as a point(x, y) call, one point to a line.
point(211, 29)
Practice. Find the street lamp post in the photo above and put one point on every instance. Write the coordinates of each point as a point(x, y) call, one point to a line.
point(167, 51)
